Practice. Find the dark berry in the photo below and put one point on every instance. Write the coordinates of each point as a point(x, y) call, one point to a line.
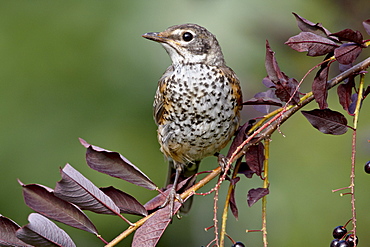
point(238, 244)
point(367, 167)
point(334, 243)
point(343, 243)
point(339, 232)
point(350, 238)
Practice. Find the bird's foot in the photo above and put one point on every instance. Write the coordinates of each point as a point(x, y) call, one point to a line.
point(222, 161)
point(170, 200)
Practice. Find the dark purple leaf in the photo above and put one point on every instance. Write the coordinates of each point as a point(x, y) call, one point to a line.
point(244, 169)
point(366, 25)
point(8, 230)
point(344, 92)
point(327, 121)
point(347, 53)
point(255, 194)
point(234, 181)
point(265, 109)
point(308, 26)
point(233, 206)
point(344, 67)
point(77, 189)
point(264, 98)
point(267, 82)
point(115, 165)
point(161, 198)
point(42, 232)
point(43, 201)
point(272, 68)
point(349, 35)
point(320, 86)
point(262, 101)
point(286, 88)
point(352, 106)
point(313, 44)
point(240, 137)
point(151, 231)
point(157, 201)
point(126, 203)
point(366, 92)
point(255, 156)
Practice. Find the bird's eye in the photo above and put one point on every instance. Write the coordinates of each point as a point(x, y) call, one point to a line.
point(187, 36)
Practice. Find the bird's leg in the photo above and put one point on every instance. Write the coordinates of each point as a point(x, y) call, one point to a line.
point(173, 195)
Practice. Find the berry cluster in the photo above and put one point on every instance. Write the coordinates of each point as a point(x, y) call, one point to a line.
point(341, 239)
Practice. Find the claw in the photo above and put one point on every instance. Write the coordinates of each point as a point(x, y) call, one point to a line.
point(222, 161)
point(172, 196)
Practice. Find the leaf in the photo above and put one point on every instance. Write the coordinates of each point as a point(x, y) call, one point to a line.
point(115, 165)
point(349, 35)
point(46, 203)
point(313, 44)
point(233, 206)
point(8, 230)
point(344, 92)
point(320, 86)
point(347, 53)
point(240, 137)
point(272, 68)
point(244, 169)
point(352, 106)
point(366, 25)
point(157, 201)
point(264, 98)
point(262, 101)
point(126, 203)
point(255, 156)
point(161, 198)
point(344, 67)
point(42, 232)
point(327, 121)
point(308, 26)
point(267, 82)
point(286, 88)
point(151, 231)
point(255, 194)
point(77, 189)
point(366, 92)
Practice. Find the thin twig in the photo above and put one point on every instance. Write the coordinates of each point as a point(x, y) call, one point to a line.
point(215, 220)
point(227, 203)
point(266, 184)
point(353, 157)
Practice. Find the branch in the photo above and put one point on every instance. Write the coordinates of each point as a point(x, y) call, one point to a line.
point(265, 131)
point(285, 113)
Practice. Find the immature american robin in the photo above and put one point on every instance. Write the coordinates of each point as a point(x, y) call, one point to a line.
point(197, 103)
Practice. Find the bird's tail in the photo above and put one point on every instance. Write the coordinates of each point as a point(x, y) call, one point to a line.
point(189, 170)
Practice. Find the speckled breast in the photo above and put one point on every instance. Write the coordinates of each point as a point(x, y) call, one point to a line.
point(201, 112)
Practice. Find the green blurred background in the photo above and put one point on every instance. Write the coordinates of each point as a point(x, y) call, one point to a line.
point(72, 69)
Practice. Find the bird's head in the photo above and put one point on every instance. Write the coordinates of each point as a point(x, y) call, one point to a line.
point(189, 43)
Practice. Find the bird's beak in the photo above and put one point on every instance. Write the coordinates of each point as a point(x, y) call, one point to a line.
point(155, 37)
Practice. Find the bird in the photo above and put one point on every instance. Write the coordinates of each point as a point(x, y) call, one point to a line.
point(197, 102)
